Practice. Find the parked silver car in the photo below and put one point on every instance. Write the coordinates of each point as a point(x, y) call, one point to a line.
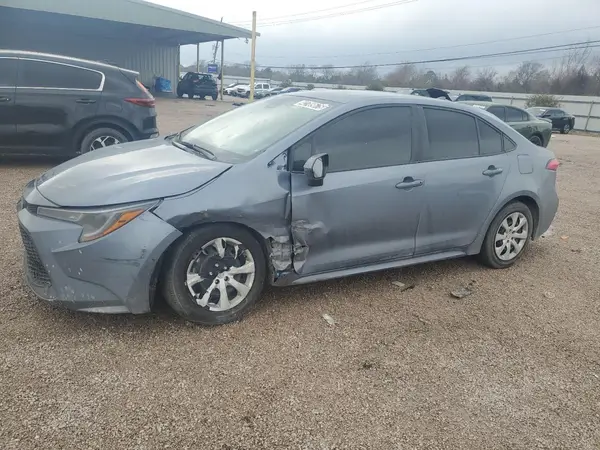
point(292, 189)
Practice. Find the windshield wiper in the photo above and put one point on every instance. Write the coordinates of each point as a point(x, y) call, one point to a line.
point(204, 152)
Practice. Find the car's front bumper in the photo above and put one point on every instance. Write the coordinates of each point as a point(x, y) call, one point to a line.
point(112, 274)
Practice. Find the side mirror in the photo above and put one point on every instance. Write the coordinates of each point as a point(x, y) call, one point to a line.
point(315, 169)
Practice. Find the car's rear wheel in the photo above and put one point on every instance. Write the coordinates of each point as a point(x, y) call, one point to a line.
point(214, 274)
point(190, 95)
point(565, 129)
point(100, 138)
point(507, 237)
point(179, 93)
point(214, 97)
point(536, 140)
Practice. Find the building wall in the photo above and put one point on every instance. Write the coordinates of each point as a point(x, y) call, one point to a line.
point(147, 58)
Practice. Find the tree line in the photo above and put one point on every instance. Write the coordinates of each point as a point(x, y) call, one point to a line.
point(577, 73)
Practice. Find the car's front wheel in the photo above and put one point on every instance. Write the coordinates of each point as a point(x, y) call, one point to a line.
point(507, 237)
point(214, 274)
point(565, 129)
point(101, 138)
point(214, 97)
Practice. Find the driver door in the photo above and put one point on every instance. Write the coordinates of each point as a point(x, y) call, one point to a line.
point(367, 210)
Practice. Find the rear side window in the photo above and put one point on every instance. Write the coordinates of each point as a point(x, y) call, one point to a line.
point(370, 138)
point(490, 140)
point(509, 145)
point(516, 115)
point(498, 111)
point(8, 72)
point(451, 135)
point(39, 74)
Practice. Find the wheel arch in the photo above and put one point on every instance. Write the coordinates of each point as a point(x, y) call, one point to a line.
point(528, 198)
point(262, 241)
point(87, 125)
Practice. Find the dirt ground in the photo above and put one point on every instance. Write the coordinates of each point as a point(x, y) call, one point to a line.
point(515, 365)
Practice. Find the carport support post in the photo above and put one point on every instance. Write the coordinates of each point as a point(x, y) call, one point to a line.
point(253, 56)
point(198, 57)
point(222, 67)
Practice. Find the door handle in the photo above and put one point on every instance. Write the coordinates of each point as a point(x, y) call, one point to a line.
point(4, 99)
point(492, 170)
point(85, 101)
point(409, 183)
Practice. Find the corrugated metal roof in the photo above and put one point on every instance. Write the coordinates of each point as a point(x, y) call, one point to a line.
point(137, 12)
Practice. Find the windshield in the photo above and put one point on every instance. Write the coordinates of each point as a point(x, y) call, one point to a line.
point(243, 133)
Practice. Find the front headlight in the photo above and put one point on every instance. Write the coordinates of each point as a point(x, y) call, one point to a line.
point(99, 222)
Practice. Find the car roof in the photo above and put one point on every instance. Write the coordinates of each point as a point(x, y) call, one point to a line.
point(365, 98)
point(61, 58)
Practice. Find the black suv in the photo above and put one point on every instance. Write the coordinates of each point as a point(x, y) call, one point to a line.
point(197, 84)
point(57, 105)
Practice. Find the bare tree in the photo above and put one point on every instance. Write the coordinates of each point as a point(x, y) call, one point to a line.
point(460, 78)
point(485, 80)
point(526, 74)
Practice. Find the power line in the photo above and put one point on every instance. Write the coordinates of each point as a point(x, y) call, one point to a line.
point(338, 14)
point(440, 48)
point(551, 48)
point(276, 18)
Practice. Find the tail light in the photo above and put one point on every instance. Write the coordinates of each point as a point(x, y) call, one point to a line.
point(553, 165)
point(147, 101)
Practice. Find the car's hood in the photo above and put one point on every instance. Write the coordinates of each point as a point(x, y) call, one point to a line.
point(127, 173)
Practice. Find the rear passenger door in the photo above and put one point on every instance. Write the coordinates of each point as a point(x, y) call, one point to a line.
point(52, 97)
point(519, 120)
point(8, 82)
point(464, 169)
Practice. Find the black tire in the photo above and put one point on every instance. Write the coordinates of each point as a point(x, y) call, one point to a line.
point(565, 129)
point(214, 97)
point(179, 93)
point(535, 139)
point(190, 95)
point(488, 256)
point(97, 133)
point(174, 285)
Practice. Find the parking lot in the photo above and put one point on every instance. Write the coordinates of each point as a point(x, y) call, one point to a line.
point(514, 365)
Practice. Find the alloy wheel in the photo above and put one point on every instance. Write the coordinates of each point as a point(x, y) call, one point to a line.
point(103, 141)
point(221, 274)
point(511, 236)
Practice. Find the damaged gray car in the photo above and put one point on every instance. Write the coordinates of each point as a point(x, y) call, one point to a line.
point(293, 189)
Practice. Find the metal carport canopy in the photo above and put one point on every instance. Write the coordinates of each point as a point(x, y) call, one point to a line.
point(153, 22)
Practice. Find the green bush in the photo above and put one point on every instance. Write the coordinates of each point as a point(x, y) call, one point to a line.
point(547, 100)
point(286, 83)
point(375, 86)
point(310, 87)
point(340, 86)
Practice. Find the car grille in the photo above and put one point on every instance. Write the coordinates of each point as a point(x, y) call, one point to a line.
point(35, 268)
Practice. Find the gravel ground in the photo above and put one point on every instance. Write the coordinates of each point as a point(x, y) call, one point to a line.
point(514, 365)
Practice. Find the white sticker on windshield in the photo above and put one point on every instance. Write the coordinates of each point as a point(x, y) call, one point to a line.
point(315, 106)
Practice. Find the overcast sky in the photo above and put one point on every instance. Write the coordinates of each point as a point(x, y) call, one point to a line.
point(404, 32)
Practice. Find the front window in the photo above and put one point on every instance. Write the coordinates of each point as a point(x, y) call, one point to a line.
point(243, 133)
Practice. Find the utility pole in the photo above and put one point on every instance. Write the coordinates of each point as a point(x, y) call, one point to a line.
point(253, 56)
point(216, 48)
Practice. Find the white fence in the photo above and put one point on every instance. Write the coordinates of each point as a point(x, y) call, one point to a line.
point(585, 109)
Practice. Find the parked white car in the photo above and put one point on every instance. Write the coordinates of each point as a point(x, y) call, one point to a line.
point(232, 89)
point(260, 89)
